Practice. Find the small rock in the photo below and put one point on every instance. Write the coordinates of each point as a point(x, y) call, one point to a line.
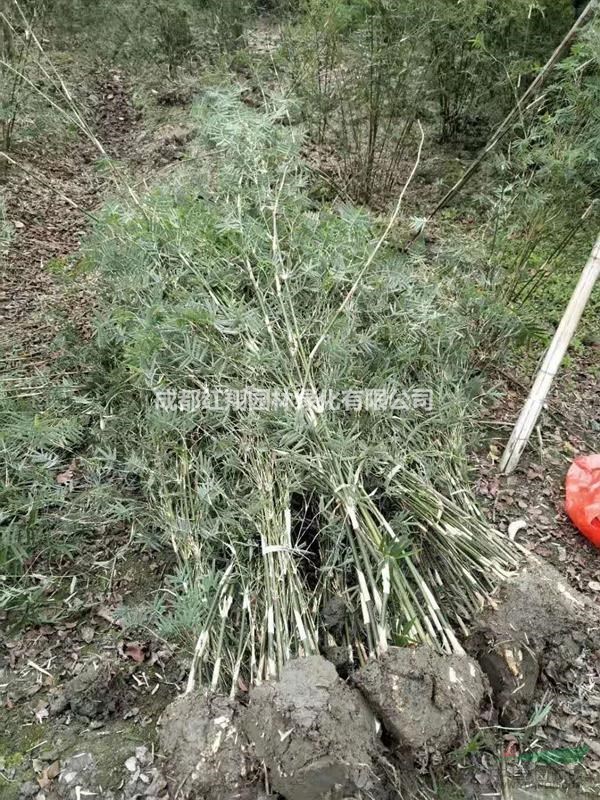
point(87, 633)
point(131, 764)
point(143, 755)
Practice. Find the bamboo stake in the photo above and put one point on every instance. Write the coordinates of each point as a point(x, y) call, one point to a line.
point(554, 356)
point(504, 127)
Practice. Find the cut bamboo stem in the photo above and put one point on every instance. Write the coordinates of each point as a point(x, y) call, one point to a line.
point(558, 347)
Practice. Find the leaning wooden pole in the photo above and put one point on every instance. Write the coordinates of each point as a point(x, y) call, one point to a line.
point(562, 338)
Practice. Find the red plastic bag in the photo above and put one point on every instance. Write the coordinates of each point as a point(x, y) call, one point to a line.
point(583, 496)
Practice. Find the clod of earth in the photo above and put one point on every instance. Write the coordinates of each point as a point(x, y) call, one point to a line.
point(315, 734)
point(426, 702)
point(172, 143)
point(92, 693)
point(536, 623)
point(203, 749)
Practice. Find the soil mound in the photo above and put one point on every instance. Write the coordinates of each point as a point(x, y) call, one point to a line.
point(316, 735)
point(426, 701)
point(204, 752)
point(537, 627)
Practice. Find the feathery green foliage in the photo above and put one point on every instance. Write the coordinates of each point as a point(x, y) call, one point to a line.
point(483, 53)
point(43, 428)
point(228, 278)
point(365, 70)
point(547, 209)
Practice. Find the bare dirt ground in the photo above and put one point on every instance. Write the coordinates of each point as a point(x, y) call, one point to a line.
point(48, 204)
point(534, 494)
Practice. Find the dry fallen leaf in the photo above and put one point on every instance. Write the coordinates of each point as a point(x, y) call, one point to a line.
point(135, 651)
point(514, 527)
point(65, 478)
point(159, 656)
point(106, 614)
point(44, 781)
point(87, 633)
point(49, 774)
point(41, 713)
point(53, 770)
point(511, 749)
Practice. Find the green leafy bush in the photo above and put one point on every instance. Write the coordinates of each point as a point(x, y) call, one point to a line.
point(547, 209)
point(45, 514)
point(365, 70)
point(135, 33)
point(483, 52)
point(356, 70)
point(174, 35)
